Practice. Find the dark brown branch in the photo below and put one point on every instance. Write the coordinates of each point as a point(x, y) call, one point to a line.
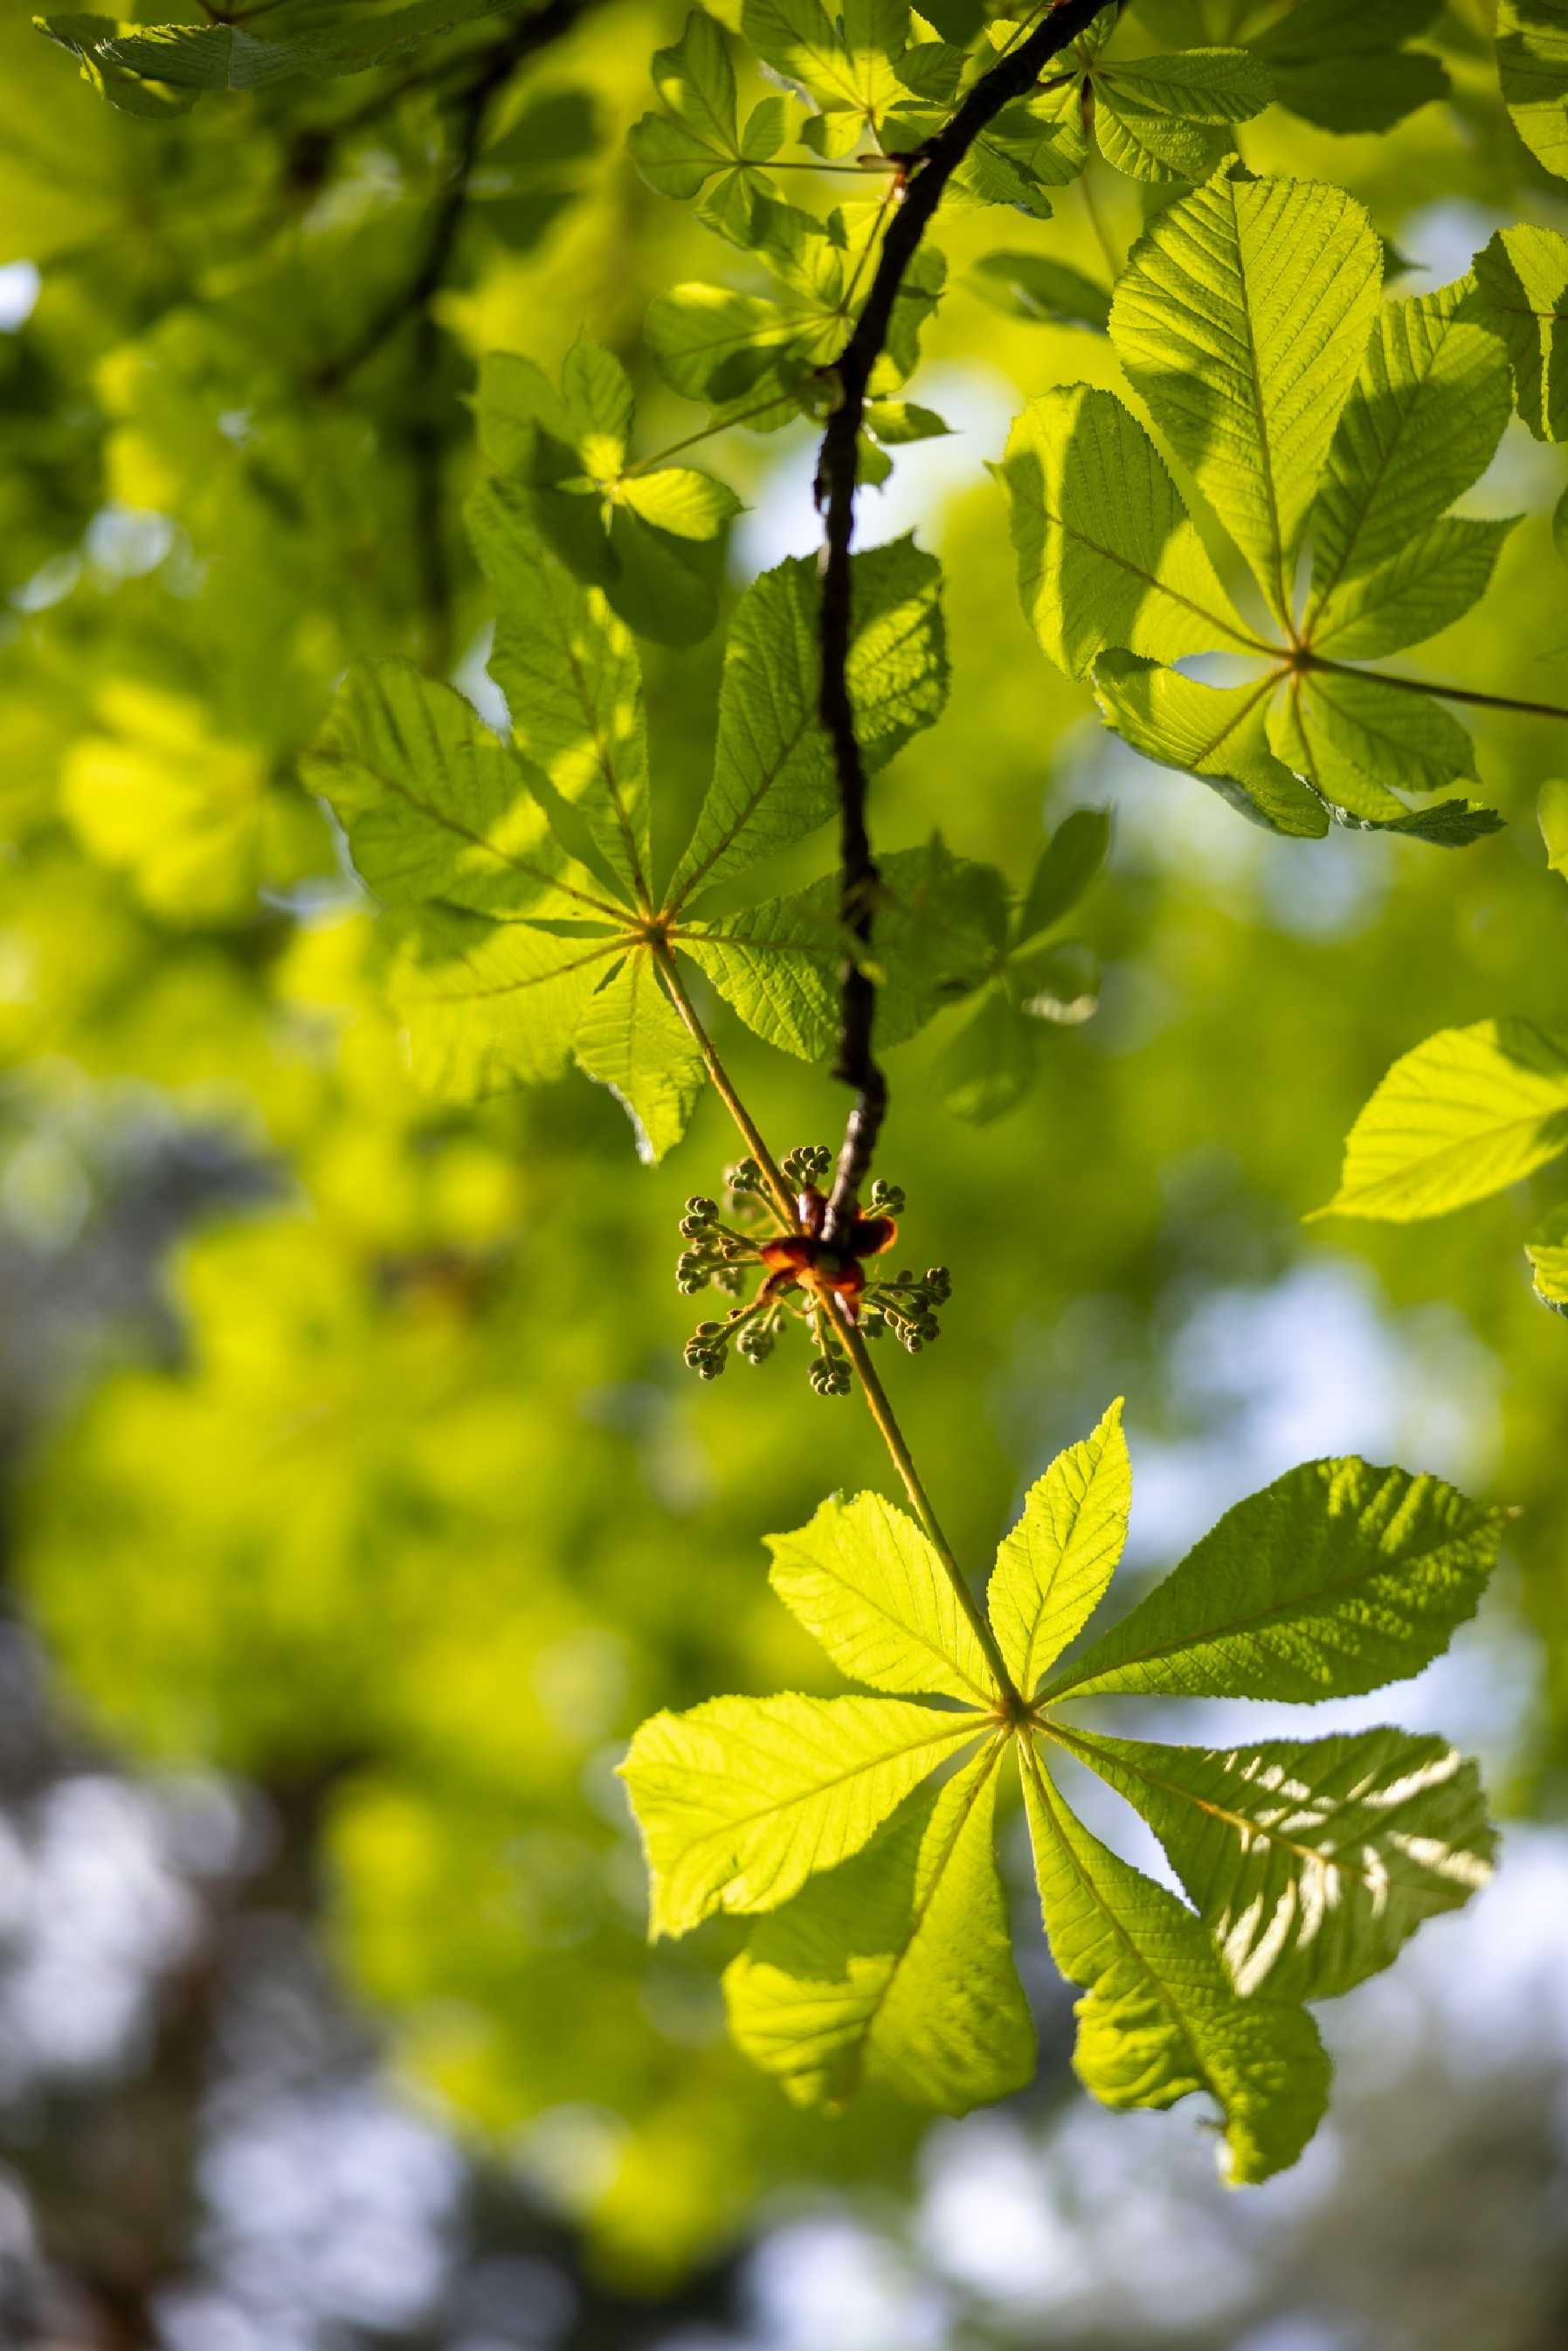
point(838, 466)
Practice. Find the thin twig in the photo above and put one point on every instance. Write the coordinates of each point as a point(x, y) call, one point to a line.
point(846, 1332)
point(927, 174)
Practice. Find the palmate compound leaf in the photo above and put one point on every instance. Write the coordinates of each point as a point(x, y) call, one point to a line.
point(518, 876)
point(1462, 1116)
point(698, 143)
point(1309, 1862)
point(1159, 2018)
point(1114, 577)
point(1163, 119)
point(1312, 1861)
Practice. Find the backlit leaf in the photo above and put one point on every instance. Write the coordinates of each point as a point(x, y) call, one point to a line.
point(1464, 1115)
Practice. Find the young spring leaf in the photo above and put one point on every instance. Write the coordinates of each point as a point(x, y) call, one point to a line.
point(867, 1583)
point(1029, 286)
point(1219, 733)
point(1164, 119)
point(743, 1799)
point(1345, 67)
point(1159, 2020)
point(630, 1039)
point(774, 779)
point(1052, 1568)
point(1462, 1116)
point(645, 535)
point(1335, 1579)
point(1311, 1861)
point(698, 143)
point(1107, 555)
point(897, 1969)
point(573, 685)
point(1421, 424)
point(1532, 67)
point(1063, 872)
point(1241, 320)
point(1547, 1251)
point(1552, 815)
point(781, 963)
point(1351, 726)
point(1521, 297)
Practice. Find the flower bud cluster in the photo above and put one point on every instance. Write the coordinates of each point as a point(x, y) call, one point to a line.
point(906, 1306)
point(804, 1281)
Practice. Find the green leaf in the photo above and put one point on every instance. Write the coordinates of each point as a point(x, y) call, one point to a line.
point(1532, 66)
point(1241, 320)
point(154, 68)
point(1552, 815)
point(1107, 554)
point(1421, 424)
point(1161, 119)
point(1465, 1114)
point(1066, 866)
point(1219, 733)
point(781, 963)
point(434, 807)
point(1521, 297)
point(1402, 739)
point(1159, 2020)
point(1433, 581)
point(897, 1968)
point(867, 1583)
point(1547, 1249)
point(846, 62)
point(489, 1005)
point(1446, 824)
point(1052, 1570)
point(1311, 1861)
point(699, 139)
point(774, 779)
point(687, 504)
point(1058, 982)
point(1335, 1579)
point(1343, 65)
point(643, 536)
point(744, 1799)
point(631, 1040)
point(1053, 293)
point(989, 1066)
point(569, 672)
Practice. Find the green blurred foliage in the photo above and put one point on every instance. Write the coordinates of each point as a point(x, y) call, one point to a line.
point(421, 1500)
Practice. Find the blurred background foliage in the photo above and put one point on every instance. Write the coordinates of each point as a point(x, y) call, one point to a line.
point(357, 1504)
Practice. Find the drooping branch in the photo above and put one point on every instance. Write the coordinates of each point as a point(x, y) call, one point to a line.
point(927, 174)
